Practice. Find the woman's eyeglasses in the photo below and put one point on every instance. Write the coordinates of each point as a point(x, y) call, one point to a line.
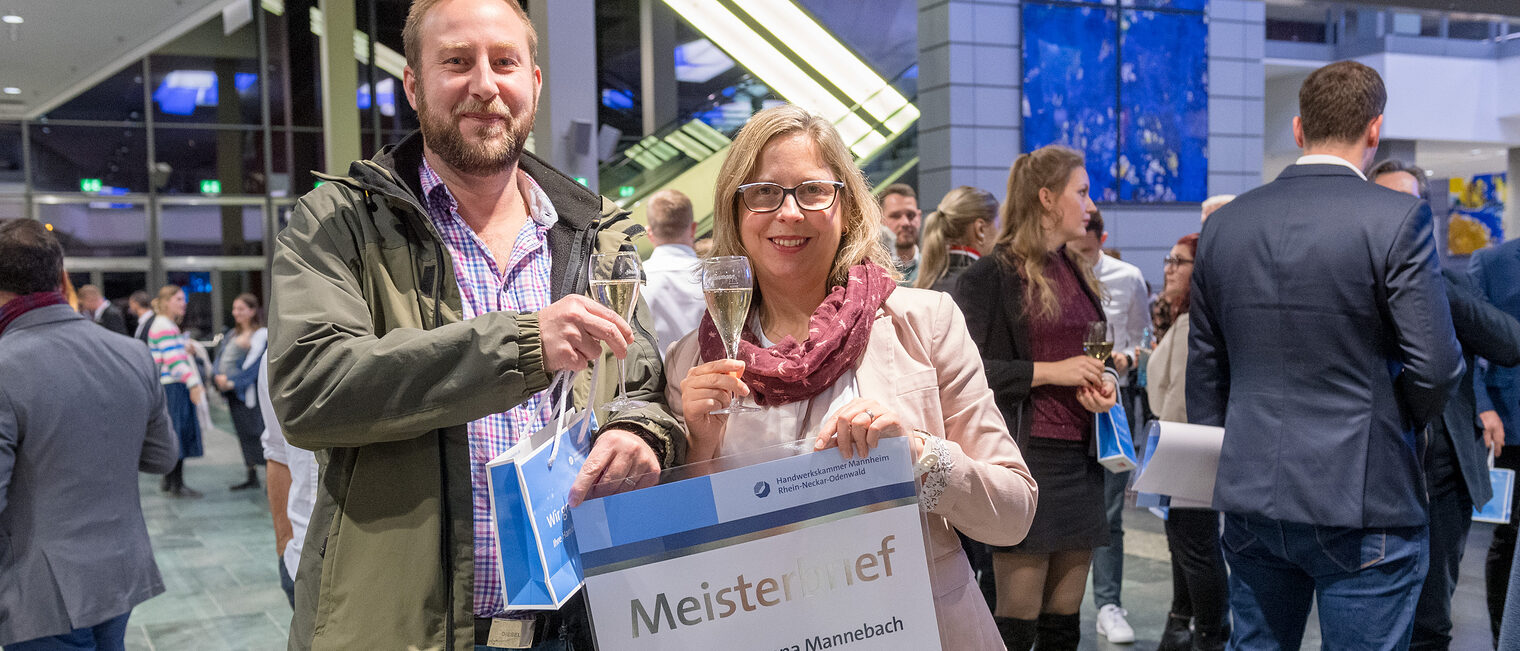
point(810, 195)
point(1174, 261)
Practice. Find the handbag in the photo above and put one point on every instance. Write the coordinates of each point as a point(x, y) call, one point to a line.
point(1156, 502)
point(1116, 448)
point(538, 564)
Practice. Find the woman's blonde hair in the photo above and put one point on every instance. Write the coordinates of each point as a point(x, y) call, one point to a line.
point(161, 302)
point(1021, 242)
point(859, 209)
point(950, 224)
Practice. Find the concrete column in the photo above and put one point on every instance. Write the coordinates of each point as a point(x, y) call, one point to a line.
point(970, 80)
point(340, 84)
point(657, 65)
point(565, 132)
point(1512, 196)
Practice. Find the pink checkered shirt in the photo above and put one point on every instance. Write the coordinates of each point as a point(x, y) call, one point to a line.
point(521, 285)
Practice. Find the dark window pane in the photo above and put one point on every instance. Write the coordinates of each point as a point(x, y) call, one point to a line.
point(189, 158)
point(117, 99)
point(63, 156)
point(221, 90)
point(12, 173)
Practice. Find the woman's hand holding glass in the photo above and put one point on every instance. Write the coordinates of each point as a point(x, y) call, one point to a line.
point(1077, 371)
point(859, 426)
point(710, 388)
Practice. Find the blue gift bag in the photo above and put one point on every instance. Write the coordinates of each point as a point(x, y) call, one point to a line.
point(1116, 449)
point(1497, 510)
point(539, 566)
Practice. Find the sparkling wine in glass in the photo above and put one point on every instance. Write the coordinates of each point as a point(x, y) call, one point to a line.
point(728, 284)
point(1098, 343)
point(615, 284)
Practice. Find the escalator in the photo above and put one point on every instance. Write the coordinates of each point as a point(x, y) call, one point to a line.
point(877, 118)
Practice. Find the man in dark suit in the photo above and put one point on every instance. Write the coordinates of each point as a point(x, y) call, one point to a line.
point(1323, 344)
point(1456, 465)
point(142, 314)
point(1496, 273)
point(74, 552)
point(94, 305)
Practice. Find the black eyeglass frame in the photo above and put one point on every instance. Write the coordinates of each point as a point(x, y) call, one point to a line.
point(785, 191)
point(1170, 261)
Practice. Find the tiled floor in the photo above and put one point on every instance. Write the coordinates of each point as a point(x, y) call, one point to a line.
point(218, 561)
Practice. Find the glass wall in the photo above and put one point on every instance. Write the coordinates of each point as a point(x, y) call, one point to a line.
point(177, 166)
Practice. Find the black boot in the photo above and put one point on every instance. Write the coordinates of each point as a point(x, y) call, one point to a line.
point(1177, 636)
point(1205, 639)
point(253, 481)
point(1058, 632)
point(1018, 634)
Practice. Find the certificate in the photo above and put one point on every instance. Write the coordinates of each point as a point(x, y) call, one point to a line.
point(806, 552)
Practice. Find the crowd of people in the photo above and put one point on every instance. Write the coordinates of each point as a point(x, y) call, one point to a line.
point(423, 302)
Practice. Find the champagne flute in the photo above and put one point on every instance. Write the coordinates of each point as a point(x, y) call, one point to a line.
point(728, 284)
point(615, 284)
point(1097, 343)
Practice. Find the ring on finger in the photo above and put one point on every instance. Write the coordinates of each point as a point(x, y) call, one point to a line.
point(870, 414)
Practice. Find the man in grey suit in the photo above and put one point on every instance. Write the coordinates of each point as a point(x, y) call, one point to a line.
point(1322, 342)
point(74, 552)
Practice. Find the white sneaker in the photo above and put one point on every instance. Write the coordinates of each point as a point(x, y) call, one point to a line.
point(1111, 625)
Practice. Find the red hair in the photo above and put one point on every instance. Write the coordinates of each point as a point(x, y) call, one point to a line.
point(1179, 299)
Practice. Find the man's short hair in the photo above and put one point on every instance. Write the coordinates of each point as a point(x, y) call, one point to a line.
point(88, 292)
point(140, 297)
point(1095, 223)
point(1338, 102)
point(31, 260)
point(411, 33)
point(669, 214)
point(898, 188)
point(1395, 165)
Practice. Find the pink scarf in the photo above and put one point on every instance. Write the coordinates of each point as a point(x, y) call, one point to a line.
point(837, 334)
point(26, 303)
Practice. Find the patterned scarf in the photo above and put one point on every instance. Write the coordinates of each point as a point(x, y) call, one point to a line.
point(26, 303)
point(837, 334)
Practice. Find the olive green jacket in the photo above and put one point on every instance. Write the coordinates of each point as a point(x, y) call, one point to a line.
point(372, 366)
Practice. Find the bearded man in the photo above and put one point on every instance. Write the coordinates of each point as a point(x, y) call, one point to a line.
point(421, 306)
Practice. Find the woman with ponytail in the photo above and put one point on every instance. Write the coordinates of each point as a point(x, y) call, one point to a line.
point(1027, 306)
point(955, 235)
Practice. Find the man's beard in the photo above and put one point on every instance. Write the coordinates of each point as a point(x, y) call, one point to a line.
point(495, 147)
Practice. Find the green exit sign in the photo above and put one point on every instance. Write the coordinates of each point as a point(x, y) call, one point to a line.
point(211, 186)
point(581, 180)
point(625, 191)
point(89, 185)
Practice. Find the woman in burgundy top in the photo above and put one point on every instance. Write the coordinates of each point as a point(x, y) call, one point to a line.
point(1027, 306)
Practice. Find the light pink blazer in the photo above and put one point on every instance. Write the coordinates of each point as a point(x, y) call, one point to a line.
point(921, 362)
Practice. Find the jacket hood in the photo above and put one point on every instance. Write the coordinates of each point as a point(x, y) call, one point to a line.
point(392, 172)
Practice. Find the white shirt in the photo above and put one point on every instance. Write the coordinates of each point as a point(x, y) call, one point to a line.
point(788, 423)
point(303, 473)
point(1327, 159)
point(674, 292)
point(1124, 301)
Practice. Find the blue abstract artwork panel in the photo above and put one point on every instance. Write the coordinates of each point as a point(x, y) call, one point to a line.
point(1164, 114)
point(1178, 5)
point(1070, 86)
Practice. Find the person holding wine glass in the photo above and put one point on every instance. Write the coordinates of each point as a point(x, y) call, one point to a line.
point(1027, 306)
point(835, 355)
